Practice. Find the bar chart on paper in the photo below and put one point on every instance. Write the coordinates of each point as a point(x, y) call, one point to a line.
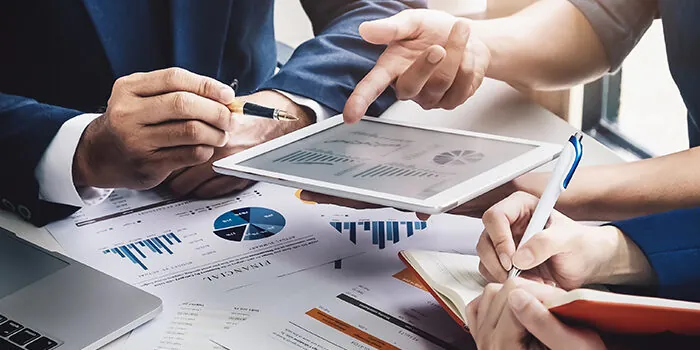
point(138, 252)
point(381, 231)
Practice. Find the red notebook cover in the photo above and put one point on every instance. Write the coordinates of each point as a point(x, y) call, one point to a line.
point(608, 317)
point(630, 319)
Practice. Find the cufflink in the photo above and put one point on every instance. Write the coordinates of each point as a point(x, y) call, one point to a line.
point(24, 212)
point(8, 205)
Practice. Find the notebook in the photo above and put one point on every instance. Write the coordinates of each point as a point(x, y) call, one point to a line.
point(454, 280)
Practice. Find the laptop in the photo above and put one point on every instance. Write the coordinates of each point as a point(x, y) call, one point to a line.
point(49, 301)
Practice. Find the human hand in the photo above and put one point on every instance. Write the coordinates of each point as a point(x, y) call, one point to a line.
point(509, 316)
point(431, 58)
point(474, 208)
point(155, 123)
point(246, 132)
point(566, 253)
point(321, 198)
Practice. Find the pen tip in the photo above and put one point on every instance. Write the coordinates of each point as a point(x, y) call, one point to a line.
point(286, 116)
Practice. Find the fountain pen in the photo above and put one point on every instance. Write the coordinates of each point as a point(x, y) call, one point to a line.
point(256, 110)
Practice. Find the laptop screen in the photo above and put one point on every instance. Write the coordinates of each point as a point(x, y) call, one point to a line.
point(22, 264)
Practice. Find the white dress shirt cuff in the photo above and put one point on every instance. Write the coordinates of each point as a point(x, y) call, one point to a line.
point(322, 112)
point(54, 173)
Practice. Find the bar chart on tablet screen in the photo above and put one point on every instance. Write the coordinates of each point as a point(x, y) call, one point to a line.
point(315, 157)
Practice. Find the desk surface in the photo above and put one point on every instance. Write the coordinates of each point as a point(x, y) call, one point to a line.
point(496, 109)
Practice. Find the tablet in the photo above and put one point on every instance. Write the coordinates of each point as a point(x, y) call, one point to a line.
point(391, 163)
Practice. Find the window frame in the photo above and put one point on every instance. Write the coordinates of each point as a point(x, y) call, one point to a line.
point(601, 109)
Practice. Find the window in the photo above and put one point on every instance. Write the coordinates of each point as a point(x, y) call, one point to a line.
point(638, 111)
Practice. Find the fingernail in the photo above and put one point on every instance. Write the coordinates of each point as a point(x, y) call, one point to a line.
point(465, 28)
point(227, 138)
point(435, 56)
point(523, 258)
point(227, 94)
point(352, 109)
point(505, 261)
point(518, 299)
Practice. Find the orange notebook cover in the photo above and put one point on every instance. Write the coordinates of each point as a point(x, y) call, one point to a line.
point(625, 318)
point(607, 312)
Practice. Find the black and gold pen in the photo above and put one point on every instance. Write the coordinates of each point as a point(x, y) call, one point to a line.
point(252, 109)
point(255, 110)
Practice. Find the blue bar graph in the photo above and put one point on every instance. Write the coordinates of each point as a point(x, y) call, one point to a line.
point(381, 231)
point(157, 245)
point(395, 232)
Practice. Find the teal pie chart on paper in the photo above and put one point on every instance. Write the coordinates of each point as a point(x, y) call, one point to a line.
point(248, 224)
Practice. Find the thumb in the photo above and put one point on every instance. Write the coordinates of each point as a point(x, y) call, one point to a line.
point(540, 247)
point(542, 324)
point(384, 31)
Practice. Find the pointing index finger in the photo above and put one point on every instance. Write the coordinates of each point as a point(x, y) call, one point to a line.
point(368, 90)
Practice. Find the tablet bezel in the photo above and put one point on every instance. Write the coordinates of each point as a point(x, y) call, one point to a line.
point(438, 203)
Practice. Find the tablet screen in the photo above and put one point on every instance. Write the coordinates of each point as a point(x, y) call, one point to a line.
point(388, 158)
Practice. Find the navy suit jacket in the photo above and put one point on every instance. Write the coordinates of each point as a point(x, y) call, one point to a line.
point(60, 58)
point(671, 243)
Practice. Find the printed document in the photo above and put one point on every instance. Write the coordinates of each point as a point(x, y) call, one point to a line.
point(370, 301)
point(177, 249)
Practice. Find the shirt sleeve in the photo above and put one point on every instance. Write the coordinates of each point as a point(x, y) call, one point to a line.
point(54, 173)
point(328, 67)
point(671, 243)
point(619, 24)
point(321, 112)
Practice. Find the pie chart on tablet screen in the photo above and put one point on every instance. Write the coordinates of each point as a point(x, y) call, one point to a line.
point(458, 157)
point(248, 224)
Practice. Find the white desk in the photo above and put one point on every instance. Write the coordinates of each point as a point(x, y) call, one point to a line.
point(496, 108)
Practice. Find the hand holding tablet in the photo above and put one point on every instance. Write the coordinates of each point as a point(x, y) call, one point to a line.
point(389, 163)
point(473, 208)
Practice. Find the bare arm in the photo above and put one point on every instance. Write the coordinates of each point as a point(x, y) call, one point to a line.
point(439, 60)
point(548, 45)
point(552, 45)
point(621, 191)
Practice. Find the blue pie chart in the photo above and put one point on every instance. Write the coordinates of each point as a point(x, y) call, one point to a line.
point(248, 224)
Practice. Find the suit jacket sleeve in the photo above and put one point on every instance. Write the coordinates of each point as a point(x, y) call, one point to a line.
point(328, 67)
point(671, 242)
point(26, 129)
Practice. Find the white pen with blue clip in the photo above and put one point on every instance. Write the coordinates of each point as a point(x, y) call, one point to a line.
point(568, 161)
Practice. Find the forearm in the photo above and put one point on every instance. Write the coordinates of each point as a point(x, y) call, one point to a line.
point(622, 191)
point(549, 45)
point(627, 266)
